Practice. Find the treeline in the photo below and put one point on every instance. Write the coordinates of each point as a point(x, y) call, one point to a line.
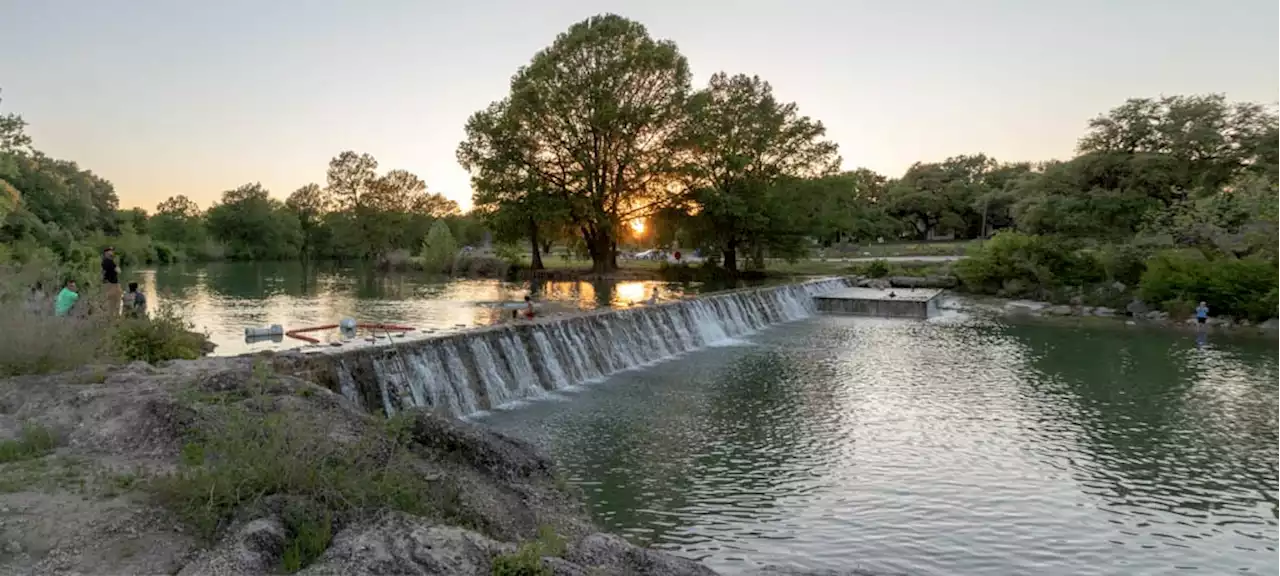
point(53, 211)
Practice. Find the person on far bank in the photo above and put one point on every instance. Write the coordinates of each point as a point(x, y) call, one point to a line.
point(111, 282)
point(1202, 314)
point(135, 302)
point(66, 299)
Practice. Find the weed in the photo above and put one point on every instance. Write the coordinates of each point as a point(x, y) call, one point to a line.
point(527, 560)
point(309, 529)
point(35, 441)
point(241, 456)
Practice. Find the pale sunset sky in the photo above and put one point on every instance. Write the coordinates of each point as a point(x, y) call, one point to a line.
point(167, 97)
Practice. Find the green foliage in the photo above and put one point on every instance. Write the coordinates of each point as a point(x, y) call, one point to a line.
point(741, 146)
point(247, 452)
point(604, 77)
point(1017, 265)
point(34, 442)
point(877, 269)
point(439, 249)
point(1242, 288)
point(164, 336)
point(527, 560)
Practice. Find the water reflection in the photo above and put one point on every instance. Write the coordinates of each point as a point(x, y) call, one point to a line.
point(928, 448)
point(225, 298)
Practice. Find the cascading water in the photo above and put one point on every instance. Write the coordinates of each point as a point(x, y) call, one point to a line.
point(466, 372)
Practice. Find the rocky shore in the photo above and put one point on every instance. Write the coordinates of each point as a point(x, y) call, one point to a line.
point(224, 466)
point(1136, 314)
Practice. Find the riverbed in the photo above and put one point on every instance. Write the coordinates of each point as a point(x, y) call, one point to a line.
point(954, 446)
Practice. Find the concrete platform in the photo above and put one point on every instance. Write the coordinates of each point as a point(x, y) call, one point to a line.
point(892, 303)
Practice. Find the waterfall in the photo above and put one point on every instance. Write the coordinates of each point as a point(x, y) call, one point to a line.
point(467, 372)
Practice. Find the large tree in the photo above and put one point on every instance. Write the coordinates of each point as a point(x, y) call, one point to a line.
point(738, 144)
point(507, 194)
point(589, 120)
point(254, 226)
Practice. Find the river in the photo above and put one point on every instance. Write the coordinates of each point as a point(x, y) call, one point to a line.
point(941, 447)
point(222, 299)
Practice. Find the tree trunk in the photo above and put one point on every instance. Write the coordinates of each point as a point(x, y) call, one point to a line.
point(731, 257)
point(535, 262)
point(547, 245)
point(600, 246)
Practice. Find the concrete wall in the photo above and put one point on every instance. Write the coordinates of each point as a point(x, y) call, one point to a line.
point(865, 307)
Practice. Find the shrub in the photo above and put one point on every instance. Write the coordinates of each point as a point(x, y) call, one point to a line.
point(244, 452)
point(1242, 288)
point(439, 248)
point(527, 560)
point(878, 269)
point(164, 336)
point(1015, 264)
point(48, 343)
point(35, 441)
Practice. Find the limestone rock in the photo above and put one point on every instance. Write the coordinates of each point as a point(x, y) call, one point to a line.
point(609, 554)
point(1059, 310)
point(403, 544)
point(1024, 307)
point(253, 549)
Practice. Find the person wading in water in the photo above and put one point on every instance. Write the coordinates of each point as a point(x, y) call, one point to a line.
point(111, 282)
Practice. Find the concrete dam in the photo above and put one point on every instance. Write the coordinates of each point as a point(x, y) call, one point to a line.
point(468, 372)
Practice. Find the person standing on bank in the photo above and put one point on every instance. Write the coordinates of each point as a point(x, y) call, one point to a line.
point(1202, 314)
point(111, 282)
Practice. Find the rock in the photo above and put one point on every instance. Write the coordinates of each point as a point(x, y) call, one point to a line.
point(403, 544)
point(1118, 286)
point(1076, 300)
point(13, 547)
point(863, 283)
point(1271, 324)
point(1059, 310)
point(609, 554)
point(1103, 311)
point(879, 283)
point(1021, 307)
point(1157, 315)
point(1084, 311)
point(1136, 307)
point(253, 549)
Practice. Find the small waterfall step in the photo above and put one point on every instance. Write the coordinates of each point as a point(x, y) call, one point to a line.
point(465, 372)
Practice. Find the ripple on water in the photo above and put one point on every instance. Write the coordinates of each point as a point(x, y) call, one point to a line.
point(936, 448)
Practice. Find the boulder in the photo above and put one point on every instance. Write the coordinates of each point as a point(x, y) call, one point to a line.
point(1271, 324)
point(609, 554)
point(1059, 310)
point(879, 283)
point(1157, 315)
point(1103, 311)
point(253, 549)
point(1024, 307)
point(402, 544)
point(1136, 307)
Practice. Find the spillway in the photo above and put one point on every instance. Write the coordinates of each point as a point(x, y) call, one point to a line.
point(472, 371)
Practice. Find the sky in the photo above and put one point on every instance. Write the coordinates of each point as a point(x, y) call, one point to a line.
point(166, 98)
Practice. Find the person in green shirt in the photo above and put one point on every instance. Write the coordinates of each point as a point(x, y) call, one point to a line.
point(66, 299)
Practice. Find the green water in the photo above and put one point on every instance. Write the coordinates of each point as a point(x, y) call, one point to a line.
point(223, 299)
point(946, 447)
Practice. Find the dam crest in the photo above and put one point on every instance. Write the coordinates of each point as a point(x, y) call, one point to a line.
point(468, 372)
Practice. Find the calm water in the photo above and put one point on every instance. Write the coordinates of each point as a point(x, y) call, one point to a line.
point(223, 299)
point(936, 448)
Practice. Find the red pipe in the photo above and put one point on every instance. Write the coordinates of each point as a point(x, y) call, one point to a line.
point(297, 332)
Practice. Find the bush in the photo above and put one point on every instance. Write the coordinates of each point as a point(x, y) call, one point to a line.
point(164, 336)
point(527, 560)
point(1241, 288)
point(48, 343)
point(878, 269)
point(35, 441)
point(439, 249)
point(1018, 265)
